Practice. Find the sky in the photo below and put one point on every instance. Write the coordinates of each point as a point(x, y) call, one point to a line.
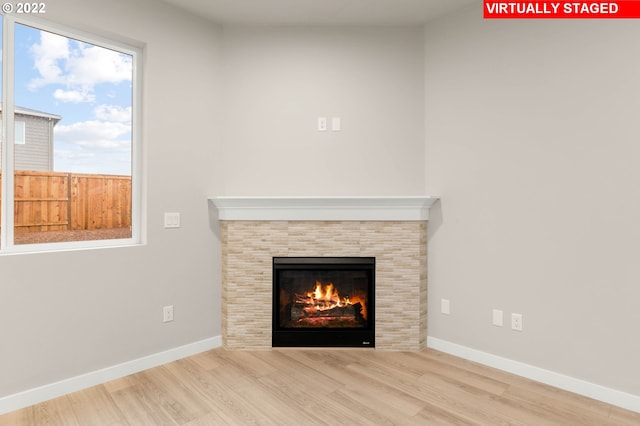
point(90, 87)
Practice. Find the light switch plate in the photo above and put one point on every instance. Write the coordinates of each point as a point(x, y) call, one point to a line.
point(172, 220)
point(336, 124)
point(498, 318)
point(445, 306)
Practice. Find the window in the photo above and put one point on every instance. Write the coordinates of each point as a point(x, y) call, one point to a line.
point(70, 101)
point(19, 138)
point(19, 132)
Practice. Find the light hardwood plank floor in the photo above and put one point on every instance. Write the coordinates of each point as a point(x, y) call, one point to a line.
point(321, 387)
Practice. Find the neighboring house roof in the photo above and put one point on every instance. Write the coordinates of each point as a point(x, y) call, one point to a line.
point(35, 113)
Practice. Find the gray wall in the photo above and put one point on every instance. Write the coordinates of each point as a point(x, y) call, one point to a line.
point(279, 80)
point(532, 141)
point(68, 313)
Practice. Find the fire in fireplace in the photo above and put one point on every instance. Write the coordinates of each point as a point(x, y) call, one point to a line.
point(323, 301)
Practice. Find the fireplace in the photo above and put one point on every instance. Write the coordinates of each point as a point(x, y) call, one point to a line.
point(254, 230)
point(323, 302)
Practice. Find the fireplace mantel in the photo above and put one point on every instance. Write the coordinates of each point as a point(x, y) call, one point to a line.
point(364, 208)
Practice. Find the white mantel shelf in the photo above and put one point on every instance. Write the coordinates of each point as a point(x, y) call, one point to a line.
point(408, 208)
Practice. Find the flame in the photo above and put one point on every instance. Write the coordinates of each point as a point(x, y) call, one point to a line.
point(324, 298)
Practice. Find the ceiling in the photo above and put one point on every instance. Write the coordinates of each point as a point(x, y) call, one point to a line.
point(320, 12)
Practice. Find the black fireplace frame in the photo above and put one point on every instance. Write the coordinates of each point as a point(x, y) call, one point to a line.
point(325, 337)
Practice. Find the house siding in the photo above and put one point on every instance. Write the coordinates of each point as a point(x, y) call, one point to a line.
point(36, 153)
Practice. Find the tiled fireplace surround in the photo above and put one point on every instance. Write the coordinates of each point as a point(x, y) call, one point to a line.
point(392, 229)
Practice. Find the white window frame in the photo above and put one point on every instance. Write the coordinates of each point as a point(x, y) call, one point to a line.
point(7, 245)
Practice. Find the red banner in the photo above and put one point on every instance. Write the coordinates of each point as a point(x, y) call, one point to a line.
point(625, 9)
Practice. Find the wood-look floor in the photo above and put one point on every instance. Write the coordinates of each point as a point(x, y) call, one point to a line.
point(321, 387)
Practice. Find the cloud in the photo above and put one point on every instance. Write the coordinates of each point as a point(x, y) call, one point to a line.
point(73, 158)
point(66, 154)
point(48, 56)
point(77, 66)
point(98, 135)
point(90, 65)
point(106, 144)
point(113, 113)
point(73, 96)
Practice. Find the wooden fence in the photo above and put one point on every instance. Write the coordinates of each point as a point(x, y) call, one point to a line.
point(56, 201)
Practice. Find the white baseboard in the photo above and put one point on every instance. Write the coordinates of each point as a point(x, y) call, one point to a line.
point(74, 384)
point(580, 387)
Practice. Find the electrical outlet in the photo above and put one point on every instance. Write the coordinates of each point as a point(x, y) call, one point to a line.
point(445, 306)
point(516, 322)
point(322, 124)
point(498, 318)
point(167, 313)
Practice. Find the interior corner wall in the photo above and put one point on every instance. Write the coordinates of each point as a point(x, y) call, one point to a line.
point(68, 313)
point(279, 80)
point(532, 142)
